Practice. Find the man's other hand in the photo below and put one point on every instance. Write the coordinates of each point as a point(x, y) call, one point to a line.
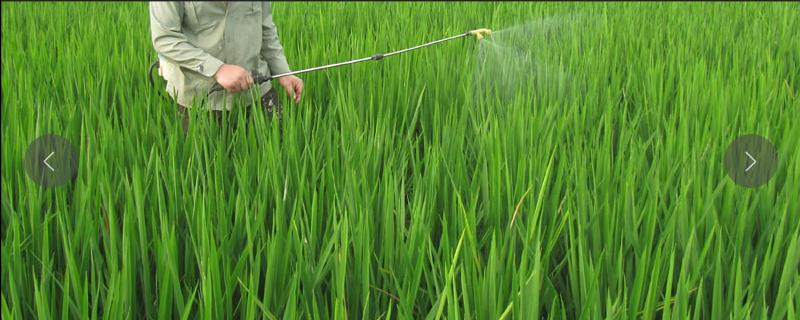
point(293, 86)
point(233, 78)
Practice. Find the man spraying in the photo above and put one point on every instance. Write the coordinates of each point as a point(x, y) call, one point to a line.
point(203, 43)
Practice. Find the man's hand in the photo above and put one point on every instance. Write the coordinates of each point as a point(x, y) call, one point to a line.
point(293, 86)
point(233, 78)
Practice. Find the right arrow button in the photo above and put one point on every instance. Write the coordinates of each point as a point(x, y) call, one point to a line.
point(751, 159)
point(759, 162)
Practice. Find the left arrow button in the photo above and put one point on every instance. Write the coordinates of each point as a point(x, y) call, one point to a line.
point(48, 158)
point(51, 161)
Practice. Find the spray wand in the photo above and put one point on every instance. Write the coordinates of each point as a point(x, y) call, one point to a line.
point(477, 33)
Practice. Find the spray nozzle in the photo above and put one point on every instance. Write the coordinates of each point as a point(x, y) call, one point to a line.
point(480, 33)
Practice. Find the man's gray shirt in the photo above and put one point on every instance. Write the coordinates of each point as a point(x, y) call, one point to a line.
point(194, 38)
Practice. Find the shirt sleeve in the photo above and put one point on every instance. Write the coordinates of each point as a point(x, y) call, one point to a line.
point(166, 19)
point(271, 49)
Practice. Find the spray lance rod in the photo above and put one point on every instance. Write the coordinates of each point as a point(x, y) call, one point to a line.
point(477, 33)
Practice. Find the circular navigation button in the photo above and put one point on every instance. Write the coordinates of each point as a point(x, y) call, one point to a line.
point(51, 161)
point(751, 160)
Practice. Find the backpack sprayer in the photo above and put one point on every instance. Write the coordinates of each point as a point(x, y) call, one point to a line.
point(477, 33)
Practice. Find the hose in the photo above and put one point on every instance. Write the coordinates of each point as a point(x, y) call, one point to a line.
point(150, 77)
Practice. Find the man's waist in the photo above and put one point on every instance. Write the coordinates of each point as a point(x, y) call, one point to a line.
point(188, 95)
point(170, 70)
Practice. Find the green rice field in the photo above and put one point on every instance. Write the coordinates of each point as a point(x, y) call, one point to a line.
point(568, 167)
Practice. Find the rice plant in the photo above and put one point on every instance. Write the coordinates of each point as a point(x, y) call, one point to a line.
point(570, 166)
